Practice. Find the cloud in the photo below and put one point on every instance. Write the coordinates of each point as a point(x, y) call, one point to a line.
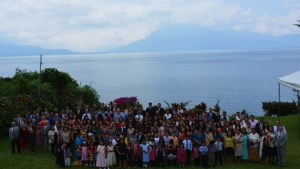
point(101, 25)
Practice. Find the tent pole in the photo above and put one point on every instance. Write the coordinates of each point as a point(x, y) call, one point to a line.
point(279, 101)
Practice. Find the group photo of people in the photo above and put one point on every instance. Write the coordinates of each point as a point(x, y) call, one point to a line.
point(110, 136)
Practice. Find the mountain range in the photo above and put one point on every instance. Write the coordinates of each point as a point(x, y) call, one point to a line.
point(26, 50)
point(178, 38)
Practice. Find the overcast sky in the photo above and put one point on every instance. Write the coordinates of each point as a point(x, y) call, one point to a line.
point(99, 25)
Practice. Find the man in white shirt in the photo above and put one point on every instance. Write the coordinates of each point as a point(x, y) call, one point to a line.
point(188, 146)
point(86, 114)
point(277, 125)
point(168, 115)
point(253, 121)
point(139, 116)
point(14, 137)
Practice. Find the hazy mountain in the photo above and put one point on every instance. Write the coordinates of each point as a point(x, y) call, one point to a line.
point(24, 50)
point(179, 38)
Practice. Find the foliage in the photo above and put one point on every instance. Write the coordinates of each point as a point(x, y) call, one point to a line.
point(217, 107)
point(200, 108)
point(19, 94)
point(127, 102)
point(175, 105)
point(286, 108)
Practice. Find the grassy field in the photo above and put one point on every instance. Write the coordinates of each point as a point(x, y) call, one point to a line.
point(46, 161)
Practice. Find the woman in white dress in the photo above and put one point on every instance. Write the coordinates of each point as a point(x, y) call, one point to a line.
point(238, 140)
point(111, 156)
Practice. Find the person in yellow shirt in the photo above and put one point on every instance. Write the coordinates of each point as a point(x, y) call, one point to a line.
point(228, 145)
point(208, 137)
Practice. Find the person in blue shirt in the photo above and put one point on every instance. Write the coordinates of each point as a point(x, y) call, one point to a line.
point(79, 140)
point(203, 149)
point(199, 136)
point(117, 115)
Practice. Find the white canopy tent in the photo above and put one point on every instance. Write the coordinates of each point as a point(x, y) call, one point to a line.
point(292, 81)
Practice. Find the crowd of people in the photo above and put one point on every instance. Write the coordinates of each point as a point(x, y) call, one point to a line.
point(108, 136)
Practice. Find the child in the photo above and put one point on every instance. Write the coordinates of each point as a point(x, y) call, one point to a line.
point(153, 155)
point(160, 155)
point(218, 155)
point(196, 155)
point(84, 154)
point(91, 154)
point(122, 151)
point(130, 155)
point(145, 149)
point(78, 155)
point(204, 151)
point(101, 156)
point(137, 153)
point(181, 156)
point(60, 157)
point(211, 154)
point(68, 155)
point(111, 156)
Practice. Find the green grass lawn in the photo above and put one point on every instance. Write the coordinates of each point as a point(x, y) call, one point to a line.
point(45, 160)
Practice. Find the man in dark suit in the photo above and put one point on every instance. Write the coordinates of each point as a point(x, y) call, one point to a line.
point(259, 126)
point(150, 110)
point(140, 137)
point(160, 109)
point(79, 112)
point(211, 115)
point(281, 139)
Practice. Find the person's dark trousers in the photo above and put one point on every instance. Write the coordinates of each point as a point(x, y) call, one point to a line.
point(197, 162)
point(117, 156)
point(13, 144)
point(218, 156)
point(204, 161)
point(53, 149)
point(188, 156)
point(160, 161)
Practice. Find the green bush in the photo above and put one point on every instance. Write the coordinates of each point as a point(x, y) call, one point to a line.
point(19, 94)
point(286, 108)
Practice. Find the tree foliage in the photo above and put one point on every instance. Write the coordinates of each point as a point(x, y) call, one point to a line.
point(19, 94)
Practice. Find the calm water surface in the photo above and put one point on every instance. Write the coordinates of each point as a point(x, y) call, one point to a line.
point(239, 79)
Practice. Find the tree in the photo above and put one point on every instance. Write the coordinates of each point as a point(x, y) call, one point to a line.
point(19, 94)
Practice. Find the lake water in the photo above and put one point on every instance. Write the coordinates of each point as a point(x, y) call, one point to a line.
point(239, 79)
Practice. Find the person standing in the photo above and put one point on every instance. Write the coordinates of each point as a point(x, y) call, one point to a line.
point(14, 137)
point(245, 145)
point(238, 140)
point(188, 146)
point(272, 148)
point(204, 155)
point(281, 139)
point(39, 137)
point(111, 156)
point(46, 129)
point(31, 137)
point(145, 148)
point(101, 155)
point(122, 153)
point(23, 138)
point(219, 146)
point(253, 151)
